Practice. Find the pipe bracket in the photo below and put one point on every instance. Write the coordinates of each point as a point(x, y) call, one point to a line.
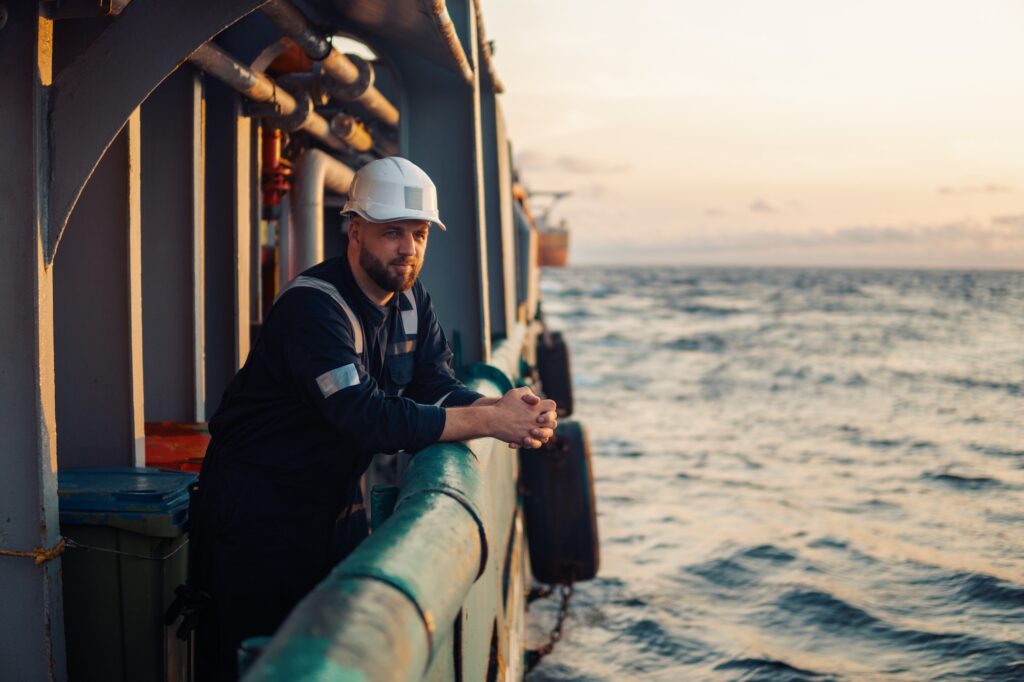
point(349, 91)
point(254, 109)
point(303, 109)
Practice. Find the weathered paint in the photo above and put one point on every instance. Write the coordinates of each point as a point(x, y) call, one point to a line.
point(32, 630)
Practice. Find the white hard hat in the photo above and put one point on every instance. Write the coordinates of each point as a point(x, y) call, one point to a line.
point(391, 189)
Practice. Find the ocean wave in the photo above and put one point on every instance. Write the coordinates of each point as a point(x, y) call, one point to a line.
point(979, 587)
point(996, 450)
point(962, 481)
point(770, 670)
point(651, 640)
point(709, 310)
point(1013, 388)
point(707, 343)
point(824, 611)
point(725, 573)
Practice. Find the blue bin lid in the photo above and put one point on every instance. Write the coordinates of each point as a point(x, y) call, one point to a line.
point(144, 500)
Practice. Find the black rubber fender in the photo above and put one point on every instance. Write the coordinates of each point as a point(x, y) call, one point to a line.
point(555, 371)
point(557, 485)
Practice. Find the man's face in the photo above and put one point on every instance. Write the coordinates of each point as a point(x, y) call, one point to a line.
point(392, 253)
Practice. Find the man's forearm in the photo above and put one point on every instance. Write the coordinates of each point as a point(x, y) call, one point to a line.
point(465, 423)
point(519, 418)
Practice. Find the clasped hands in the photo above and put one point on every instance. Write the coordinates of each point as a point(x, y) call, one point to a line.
point(530, 419)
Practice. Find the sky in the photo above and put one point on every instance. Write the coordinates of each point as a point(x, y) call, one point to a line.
point(791, 132)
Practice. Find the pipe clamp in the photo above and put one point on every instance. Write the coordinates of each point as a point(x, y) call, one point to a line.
point(303, 108)
point(356, 89)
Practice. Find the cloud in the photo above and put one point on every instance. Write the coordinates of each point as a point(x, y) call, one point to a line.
point(986, 188)
point(715, 212)
point(533, 160)
point(591, 190)
point(1014, 220)
point(761, 206)
point(1000, 230)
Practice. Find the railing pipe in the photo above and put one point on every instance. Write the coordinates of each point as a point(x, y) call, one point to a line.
point(260, 88)
point(316, 172)
point(341, 71)
point(376, 615)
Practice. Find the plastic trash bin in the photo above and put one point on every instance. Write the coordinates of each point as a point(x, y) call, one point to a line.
point(176, 445)
point(127, 551)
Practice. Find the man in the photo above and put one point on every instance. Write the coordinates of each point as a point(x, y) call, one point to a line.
point(351, 361)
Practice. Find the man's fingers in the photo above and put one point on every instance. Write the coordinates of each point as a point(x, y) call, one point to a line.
point(531, 398)
point(546, 406)
point(542, 434)
point(548, 418)
point(514, 446)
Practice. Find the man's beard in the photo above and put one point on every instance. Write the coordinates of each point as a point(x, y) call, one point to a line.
point(384, 278)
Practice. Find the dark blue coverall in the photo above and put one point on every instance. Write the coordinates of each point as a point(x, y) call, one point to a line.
point(278, 502)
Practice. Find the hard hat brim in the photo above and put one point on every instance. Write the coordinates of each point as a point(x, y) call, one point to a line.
point(378, 213)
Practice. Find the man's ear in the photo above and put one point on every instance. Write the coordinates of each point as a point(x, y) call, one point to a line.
point(355, 227)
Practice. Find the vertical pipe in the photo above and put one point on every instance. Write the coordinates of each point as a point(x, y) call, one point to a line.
point(316, 170)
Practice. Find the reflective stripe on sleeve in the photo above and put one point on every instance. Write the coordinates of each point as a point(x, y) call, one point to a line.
point(337, 379)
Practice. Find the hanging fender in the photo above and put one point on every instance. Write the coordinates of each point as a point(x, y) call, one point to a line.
point(557, 484)
point(555, 371)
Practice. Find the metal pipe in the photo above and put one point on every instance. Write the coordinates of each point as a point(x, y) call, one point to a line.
point(485, 53)
point(352, 131)
point(380, 613)
point(316, 171)
point(443, 23)
point(260, 88)
point(342, 72)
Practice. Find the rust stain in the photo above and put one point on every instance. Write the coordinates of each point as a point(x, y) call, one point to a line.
point(428, 620)
point(444, 25)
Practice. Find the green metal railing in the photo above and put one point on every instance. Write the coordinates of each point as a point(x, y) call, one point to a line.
point(383, 612)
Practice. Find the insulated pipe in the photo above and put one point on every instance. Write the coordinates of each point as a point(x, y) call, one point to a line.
point(343, 74)
point(259, 88)
point(443, 24)
point(302, 242)
point(352, 131)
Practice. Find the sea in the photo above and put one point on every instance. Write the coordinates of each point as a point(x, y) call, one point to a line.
point(801, 474)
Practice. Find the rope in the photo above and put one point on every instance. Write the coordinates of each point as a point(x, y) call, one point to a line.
point(38, 555)
point(77, 545)
point(41, 556)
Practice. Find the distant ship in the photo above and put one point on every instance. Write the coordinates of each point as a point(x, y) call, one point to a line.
point(553, 247)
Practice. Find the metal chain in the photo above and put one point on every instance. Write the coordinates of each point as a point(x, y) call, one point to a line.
point(534, 656)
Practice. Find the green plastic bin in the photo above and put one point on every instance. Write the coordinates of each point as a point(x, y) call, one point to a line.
point(127, 551)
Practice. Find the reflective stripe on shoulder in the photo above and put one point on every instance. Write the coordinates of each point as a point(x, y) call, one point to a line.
point(410, 318)
point(332, 291)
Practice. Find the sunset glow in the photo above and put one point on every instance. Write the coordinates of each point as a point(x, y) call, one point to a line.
point(795, 132)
